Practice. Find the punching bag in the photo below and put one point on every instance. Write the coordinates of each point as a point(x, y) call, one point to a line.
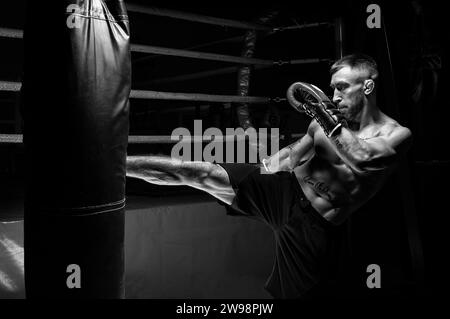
point(75, 105)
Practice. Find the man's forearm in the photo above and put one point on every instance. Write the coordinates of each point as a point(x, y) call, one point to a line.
point(161, 170)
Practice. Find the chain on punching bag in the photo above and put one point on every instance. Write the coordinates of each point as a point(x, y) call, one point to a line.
point(77, 80)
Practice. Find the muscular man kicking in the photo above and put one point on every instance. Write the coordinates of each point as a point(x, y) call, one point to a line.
point(311, 186)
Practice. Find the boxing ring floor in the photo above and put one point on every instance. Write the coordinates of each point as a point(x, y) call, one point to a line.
point(182, 246)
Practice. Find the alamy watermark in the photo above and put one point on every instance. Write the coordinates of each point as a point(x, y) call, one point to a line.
point(74, 279)
point(373, 21)
point(374, 279)
point(232, 147)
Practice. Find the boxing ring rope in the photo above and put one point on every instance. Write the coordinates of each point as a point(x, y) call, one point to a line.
point(218, 57)
point(10, 86)
point(242, 38)
point(199, 75)
point(11, 138)
point(155, 95)
point(11, 33)
point(195, 17)
point(160, 139)
point(221, 71)
point(217, 21)
point(140, 94)
point(303, 26)
point(198, 55)
point(236, 39)
point(18, 34)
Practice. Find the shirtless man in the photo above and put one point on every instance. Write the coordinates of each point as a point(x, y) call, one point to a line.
point(349, 149)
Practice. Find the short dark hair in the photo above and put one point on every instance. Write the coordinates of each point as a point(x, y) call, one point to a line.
point(357, 61)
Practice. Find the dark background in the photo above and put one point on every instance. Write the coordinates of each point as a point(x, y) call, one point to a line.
point(405, 219)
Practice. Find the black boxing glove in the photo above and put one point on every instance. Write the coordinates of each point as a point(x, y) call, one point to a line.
point(312, 100)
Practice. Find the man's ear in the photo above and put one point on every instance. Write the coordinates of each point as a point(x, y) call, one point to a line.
point(369, 86)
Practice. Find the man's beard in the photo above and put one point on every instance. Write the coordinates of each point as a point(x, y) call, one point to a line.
point(354, 112)
point(353, 115)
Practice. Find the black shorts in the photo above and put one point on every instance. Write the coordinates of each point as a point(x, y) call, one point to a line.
point(304, 240)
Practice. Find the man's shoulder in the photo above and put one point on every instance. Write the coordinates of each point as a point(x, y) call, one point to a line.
point(389, 126)
point(397, 136)
point(393, 128)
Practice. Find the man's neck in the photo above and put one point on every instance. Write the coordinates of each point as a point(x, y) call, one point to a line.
point(370, 114)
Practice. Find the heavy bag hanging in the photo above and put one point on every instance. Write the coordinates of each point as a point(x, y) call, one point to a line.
point(77, 80)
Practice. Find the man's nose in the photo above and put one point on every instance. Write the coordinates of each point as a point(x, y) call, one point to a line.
point(336, 97)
